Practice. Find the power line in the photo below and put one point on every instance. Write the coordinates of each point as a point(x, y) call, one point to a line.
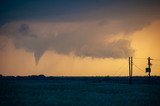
point(139, 58)
point(120, 68)
point(123, 66)
point(138, 67)
point(156, 59)
point(146, 58)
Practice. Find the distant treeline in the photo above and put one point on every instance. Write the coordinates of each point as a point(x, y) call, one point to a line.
point(94, 79)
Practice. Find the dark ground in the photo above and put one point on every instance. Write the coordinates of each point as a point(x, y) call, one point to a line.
point(79, 91)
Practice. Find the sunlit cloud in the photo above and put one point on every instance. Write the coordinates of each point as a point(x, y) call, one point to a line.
point(84, 29)
point(80, 39)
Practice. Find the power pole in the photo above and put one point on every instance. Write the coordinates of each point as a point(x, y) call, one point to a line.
point(130, 69)
point(131, 66)
point(149, 67)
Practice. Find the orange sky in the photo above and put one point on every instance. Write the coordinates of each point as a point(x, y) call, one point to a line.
point(16, 61)
point(79, 37)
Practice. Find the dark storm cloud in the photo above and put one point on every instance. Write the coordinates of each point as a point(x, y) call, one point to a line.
point(75, 26)
point(44, 10)
point(24, 29)
point(75, 10)
point(80, 39)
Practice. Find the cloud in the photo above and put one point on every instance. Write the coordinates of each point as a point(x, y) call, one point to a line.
point(79, 28)
point(71, 10)
point(24, 29)
point(87, 39)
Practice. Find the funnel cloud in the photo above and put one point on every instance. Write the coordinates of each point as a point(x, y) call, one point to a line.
point(80, 39)
point(82, 28)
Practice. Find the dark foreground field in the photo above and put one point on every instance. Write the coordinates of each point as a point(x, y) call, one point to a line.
point(79, 91)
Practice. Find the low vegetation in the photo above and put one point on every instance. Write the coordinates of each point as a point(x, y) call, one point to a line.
point(79, 91)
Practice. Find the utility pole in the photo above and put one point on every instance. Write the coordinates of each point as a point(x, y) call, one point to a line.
point(130, 69)
point(131, 66)
point(149, 67)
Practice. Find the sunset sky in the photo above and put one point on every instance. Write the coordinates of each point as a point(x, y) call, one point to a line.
point(79, 37)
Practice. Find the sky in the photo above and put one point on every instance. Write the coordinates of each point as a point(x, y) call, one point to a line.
point(79, 37)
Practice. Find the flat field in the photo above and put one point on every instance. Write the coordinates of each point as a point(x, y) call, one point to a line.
point(77, 92)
